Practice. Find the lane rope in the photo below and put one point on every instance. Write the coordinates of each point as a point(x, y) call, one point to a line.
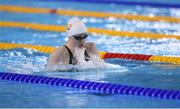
point(132, 2)
point(58, 28)
point(98, 87)
point(103, 55)
point(20, 9)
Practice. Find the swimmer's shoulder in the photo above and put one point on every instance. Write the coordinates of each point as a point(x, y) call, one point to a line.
point(61, 50)
point(64, 54)
point(59, 55)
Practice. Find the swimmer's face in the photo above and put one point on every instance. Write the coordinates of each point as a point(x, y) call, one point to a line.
point(80, 39)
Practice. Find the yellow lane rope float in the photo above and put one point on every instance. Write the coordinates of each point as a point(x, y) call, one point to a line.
point(43, 49)
point(58, 28)
point(103, 55)
point(20, 9)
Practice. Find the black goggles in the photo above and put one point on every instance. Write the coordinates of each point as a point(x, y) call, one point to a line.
point(80, 37)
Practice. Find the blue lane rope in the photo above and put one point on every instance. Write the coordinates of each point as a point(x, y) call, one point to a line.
point(132, 2)
point(105, 88)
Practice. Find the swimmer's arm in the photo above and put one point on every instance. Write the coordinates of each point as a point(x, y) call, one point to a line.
point(91, 49)
point(59, 55)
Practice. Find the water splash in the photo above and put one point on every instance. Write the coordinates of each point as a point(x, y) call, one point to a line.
point(95, 64)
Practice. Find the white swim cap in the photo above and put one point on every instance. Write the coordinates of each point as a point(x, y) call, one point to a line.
point(75, 26)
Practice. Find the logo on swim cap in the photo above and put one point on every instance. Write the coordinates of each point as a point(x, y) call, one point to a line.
point(75, 26)
point(69, 26)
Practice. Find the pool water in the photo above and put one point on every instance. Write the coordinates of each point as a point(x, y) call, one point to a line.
point(127, 72)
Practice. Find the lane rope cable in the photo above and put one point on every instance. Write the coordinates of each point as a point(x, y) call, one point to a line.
point(33, 10)
point(104, 88)
point(131, 2)
point(103, 55)
point(58, 28)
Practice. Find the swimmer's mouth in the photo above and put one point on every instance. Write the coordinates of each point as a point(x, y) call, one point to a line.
point(81, 46)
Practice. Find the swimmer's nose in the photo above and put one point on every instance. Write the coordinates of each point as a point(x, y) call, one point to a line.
point(82, 41)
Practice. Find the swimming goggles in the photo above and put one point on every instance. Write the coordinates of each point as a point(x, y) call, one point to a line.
point(80, 37)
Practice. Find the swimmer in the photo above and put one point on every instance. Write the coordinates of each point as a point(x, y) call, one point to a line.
point(76, 49)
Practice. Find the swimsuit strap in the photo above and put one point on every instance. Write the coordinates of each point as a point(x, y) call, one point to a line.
point(72, 59)
point(87, 57)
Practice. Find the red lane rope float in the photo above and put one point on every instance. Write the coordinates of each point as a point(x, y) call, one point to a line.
point(103, 55)
point(127, 56)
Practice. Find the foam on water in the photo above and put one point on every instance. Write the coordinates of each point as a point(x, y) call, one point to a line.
point(22, 61)
point(164, 46)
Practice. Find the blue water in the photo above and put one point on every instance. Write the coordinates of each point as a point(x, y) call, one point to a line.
point(136, 73)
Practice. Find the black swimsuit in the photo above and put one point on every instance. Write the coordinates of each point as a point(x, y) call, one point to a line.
point(73, 60)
